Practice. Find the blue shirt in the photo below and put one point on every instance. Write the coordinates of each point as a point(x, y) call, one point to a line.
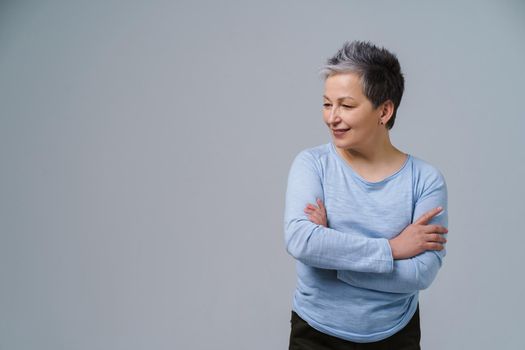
point(348, 284)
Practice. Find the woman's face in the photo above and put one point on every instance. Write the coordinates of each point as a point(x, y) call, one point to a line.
point(346, 107)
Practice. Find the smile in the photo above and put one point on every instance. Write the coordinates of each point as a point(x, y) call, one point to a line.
point(340, 132)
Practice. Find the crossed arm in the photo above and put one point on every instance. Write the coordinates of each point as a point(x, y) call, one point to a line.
point(408, 275)
point(359, 260)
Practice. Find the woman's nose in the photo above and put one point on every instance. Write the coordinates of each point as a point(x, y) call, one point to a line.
point(334, 114)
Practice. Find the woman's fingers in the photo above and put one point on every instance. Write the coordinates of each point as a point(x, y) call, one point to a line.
point(320, 204)
point(436, 228)
point(436, 237)
point(316, 214)
point(310, 210)
point(309, 205)
point(315, 218)
point(423, 219)
point(434, 246)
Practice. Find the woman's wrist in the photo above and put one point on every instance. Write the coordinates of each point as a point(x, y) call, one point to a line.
point(393, 248)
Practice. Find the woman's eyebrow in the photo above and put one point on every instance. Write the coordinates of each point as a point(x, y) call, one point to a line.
point(340, 98)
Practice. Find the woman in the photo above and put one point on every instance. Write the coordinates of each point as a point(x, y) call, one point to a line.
point(365, 221)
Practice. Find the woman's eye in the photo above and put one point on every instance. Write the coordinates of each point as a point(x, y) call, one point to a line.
point(326, 105)
point(346, 106)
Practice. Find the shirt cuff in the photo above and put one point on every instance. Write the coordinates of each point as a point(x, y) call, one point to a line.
point(388, 257)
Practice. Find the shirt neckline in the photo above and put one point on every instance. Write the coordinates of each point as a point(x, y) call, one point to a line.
point(359, 177)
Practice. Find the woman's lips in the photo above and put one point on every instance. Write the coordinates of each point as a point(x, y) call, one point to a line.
point(340, 132)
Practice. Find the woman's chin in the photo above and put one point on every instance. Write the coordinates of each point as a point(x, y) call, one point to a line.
point(341, 142)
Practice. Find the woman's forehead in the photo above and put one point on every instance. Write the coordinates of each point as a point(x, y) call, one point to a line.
point(342, 86)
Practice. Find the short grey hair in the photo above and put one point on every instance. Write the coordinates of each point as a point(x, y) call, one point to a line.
point(379, 69)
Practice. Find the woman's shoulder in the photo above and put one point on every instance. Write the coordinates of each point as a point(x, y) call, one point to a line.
point(425, 167)
point(426, 175)
point(311, 158)
point(313, 153)
point(317, 150)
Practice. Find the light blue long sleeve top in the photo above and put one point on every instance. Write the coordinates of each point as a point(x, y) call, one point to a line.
point(348, 284)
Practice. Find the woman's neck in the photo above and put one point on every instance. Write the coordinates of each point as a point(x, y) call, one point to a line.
point(380, 154)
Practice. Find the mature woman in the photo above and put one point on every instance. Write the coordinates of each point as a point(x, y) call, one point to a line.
point(365, 221)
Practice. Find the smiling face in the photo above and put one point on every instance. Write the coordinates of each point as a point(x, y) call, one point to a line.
point(346, 107)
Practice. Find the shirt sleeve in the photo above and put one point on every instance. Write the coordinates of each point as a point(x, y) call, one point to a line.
point(319, 246)
point(418, 272)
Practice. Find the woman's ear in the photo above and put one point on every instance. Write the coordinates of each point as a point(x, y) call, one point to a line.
point(387, 110)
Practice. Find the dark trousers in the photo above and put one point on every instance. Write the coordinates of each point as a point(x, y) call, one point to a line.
point(304, 337)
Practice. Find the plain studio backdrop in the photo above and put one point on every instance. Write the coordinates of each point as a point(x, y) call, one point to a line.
point(145, 148)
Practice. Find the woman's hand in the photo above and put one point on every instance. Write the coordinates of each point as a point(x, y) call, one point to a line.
point(317, 214)
point(419, 237)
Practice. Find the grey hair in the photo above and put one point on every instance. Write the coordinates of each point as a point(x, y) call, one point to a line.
point(379, 70)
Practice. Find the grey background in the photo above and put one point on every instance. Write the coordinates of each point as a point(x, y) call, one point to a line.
point(145, 147)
